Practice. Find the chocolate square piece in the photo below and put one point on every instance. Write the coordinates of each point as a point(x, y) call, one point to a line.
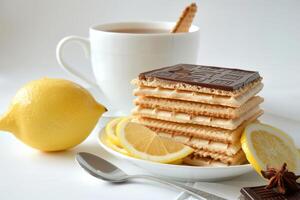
point(260, 193)
point(205, 76)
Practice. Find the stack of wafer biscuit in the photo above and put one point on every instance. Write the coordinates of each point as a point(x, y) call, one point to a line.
point(204, 107)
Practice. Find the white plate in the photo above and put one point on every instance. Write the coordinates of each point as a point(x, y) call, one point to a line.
point(181, 172)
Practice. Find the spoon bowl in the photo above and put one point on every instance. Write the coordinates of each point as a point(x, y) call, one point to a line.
point(100, 168)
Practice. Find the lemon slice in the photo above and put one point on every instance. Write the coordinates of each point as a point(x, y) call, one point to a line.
point(177, 162)
point(114, 147)
point(143, 143)
point(110, 130)
point(265, 145)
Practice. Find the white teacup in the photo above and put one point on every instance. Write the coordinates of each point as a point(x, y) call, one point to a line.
point(119, 52)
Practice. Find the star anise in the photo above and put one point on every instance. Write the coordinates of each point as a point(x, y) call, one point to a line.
point(282, 180)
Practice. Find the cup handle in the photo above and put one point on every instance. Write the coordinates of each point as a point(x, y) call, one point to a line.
point(85, 44)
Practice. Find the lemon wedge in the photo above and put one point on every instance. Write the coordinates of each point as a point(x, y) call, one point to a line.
point(143, 143)
point(265, 145)
point(110, 130)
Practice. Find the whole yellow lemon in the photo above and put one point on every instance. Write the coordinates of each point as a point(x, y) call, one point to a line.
point(52, 114)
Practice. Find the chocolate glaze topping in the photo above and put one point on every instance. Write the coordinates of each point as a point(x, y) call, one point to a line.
point(261, 193)
point(205, 76)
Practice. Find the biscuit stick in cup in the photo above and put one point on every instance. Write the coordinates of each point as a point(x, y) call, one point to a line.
point(185, 21)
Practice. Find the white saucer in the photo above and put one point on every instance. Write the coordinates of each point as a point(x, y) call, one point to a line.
point(181, 172)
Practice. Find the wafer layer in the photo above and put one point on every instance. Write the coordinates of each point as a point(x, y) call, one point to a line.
point(206, 161)
point(230, 101)
point(198, 161)
point(155, 82)
point(195, 108)
point(202, 144)
point(216, 155)
point(236, 158)
point(204, 132)
point(181, 117)
point(224, 153)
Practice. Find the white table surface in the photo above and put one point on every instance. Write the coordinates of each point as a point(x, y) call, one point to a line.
point(255, 34)
point(26, 173)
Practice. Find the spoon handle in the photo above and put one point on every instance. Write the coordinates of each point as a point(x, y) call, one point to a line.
point(193, 191)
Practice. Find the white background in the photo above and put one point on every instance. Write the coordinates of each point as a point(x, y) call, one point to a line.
point(253, 34)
